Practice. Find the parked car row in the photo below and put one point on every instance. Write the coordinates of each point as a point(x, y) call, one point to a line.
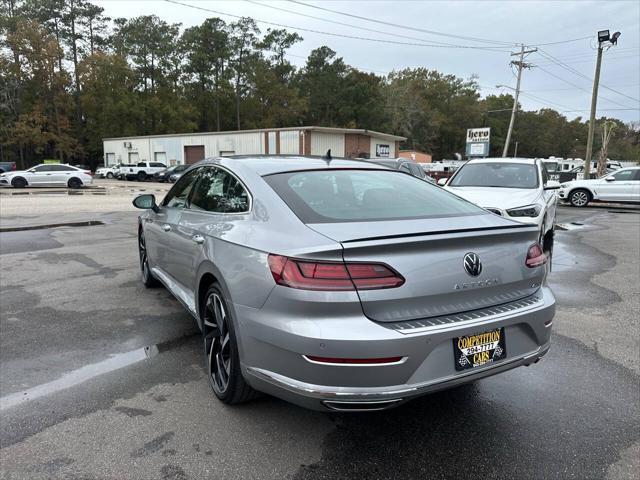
point(142, 171)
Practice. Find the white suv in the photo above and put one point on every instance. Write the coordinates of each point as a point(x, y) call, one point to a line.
point(47, 175)
point(515, 188)
point(620, 186)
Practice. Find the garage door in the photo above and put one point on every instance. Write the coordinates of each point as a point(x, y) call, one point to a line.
point(193, 153)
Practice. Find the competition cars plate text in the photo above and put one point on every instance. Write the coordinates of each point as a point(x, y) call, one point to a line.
point(471, 351)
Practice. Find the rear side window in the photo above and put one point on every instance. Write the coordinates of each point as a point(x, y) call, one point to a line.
point(62, 168)
point(220, 192)
point(329, 196)
point(159, 165)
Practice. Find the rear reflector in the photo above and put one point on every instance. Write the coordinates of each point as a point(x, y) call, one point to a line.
point(535, 256)
point(332, 276)
point(354, 361)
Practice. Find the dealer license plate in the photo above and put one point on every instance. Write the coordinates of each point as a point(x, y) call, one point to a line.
point(472, 351)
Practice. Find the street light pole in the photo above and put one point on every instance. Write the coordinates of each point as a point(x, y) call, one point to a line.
point(592, 117)
point(603, 37)
point(521, 65)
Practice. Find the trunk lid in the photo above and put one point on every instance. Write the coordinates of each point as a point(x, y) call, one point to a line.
point(430, 253)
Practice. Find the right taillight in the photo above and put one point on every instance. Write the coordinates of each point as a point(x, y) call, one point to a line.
point(535, 256)
point(332, 276)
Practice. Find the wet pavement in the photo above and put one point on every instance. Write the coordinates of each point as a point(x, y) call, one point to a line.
point(102, 379)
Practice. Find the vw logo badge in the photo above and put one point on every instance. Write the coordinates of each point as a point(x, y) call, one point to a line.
point(472, 264)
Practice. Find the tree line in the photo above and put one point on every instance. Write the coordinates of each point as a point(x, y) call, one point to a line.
point(70, 76)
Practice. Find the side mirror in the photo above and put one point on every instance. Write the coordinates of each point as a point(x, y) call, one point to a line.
point(31, 170)
point(610, 179)
point(442, 182)
point(552, 185)
point(145, 202)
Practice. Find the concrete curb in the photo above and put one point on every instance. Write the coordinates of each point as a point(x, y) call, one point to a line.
point(88, 223)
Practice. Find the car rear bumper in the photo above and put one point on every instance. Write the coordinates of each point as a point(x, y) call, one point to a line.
point(273, 355)
point(322, 397)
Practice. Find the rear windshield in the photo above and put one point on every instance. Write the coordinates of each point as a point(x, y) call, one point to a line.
point(498, 174)
point(330, 196)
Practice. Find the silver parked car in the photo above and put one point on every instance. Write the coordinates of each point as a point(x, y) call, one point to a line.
point(342, 285)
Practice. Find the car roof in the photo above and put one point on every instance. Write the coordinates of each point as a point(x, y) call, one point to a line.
point(270, 164)
point(525, 161)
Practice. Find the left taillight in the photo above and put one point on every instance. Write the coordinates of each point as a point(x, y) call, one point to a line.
point(332, 276)
point(535, 256)
point(87, 172)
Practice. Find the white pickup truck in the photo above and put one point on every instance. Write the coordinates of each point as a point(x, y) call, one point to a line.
point(142, 171)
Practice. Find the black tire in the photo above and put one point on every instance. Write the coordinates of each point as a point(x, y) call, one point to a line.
point(221, 358)
point(74, 183)
point(18, 182)
point(580, 197)
point(148, 280)
point(109, 175)
point(142, 176)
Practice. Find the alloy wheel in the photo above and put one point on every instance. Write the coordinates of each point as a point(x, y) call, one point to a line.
point(580, 198)
point(144, 261)
point(217, 343)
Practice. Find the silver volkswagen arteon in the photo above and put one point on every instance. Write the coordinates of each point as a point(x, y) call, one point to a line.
point(343, 285)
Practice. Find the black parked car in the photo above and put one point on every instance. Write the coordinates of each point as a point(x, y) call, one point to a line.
point(164, 175)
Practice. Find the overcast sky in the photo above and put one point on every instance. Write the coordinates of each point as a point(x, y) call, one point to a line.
point(529, 22)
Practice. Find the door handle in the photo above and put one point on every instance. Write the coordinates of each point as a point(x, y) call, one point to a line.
point(166, 227)
point(199, 239)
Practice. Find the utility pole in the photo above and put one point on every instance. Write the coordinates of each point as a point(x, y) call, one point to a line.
point(592, 118)
point(603, 37)
point(521, 65)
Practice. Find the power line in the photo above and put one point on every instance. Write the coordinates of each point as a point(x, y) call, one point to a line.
point(543, 100)
point(589, 60)
point(603, 110)
point(562, 41)
point(582, 75)
point(433, 32)
point(335, 22)
point(407, 27)
point(589, 54)
point(282, 25)
point(577, 86)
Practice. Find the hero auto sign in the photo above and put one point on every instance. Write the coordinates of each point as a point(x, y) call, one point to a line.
point(478, 142)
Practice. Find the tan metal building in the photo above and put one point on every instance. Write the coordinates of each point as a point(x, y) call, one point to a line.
point(189, 148)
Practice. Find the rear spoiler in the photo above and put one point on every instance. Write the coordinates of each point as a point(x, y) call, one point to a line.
point(438, 232)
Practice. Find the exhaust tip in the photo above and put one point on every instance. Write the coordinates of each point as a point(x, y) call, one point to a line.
point(356, 406)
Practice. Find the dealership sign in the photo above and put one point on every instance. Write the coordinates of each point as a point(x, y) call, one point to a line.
point(478, 142)
point(382, 150)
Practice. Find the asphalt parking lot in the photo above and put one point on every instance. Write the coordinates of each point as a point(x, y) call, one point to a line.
point(101, 378)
